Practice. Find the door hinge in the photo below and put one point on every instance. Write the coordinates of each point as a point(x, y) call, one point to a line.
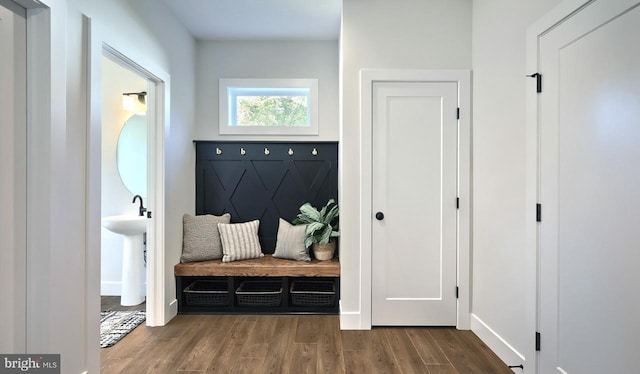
point(538, 78)
point(457, 291)
point(457, 203)
point(458, 113)
point(538, 212)
point(537, 341)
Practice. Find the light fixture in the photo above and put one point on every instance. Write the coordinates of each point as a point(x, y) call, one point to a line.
point(128, 99)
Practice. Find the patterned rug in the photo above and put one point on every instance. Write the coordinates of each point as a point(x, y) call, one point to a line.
point(115, 325)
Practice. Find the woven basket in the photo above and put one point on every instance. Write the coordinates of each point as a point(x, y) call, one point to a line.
point(324, 252)
point(313, 293)
point(259, 293)
point(207, 293)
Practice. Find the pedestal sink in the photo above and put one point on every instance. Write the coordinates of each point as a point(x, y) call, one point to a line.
point(133, 274)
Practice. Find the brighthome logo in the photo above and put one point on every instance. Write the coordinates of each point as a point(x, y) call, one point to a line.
point(27, 363)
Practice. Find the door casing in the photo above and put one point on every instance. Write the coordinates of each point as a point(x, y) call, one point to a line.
point(159, 310)
point(463, 79)
point(13, 174)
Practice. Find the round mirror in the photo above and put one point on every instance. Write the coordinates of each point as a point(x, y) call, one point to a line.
point(132, 154)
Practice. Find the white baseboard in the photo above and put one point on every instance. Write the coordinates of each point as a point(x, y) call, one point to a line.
point(110, 288)
point(349, 320)
point(496, 343)
point(172, 312)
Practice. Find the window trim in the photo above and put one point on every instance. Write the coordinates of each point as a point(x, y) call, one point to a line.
point(225, 85)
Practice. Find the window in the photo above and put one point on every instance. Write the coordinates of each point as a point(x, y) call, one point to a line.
point(269, 106)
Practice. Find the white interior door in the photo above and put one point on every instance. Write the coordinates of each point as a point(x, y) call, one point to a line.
point(589, 244)
point(414, 187)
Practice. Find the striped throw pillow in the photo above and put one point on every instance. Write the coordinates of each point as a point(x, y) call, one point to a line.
point(240, 241)
point(290, 244)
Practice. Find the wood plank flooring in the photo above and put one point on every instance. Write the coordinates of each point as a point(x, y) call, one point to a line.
point(281, 344)
point(109, 303)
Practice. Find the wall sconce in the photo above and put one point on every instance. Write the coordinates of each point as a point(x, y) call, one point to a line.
point(128, 99)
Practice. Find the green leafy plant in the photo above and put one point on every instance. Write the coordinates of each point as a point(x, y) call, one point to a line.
point(321, 224)
point(272, 111)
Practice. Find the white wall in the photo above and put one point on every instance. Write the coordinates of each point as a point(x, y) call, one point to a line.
point(179, 49)
point(12, 179)
point(116, 198)
point(60, 309)
point(267, 59)
point(502, 298)
point(376, 34)
point(415, 34)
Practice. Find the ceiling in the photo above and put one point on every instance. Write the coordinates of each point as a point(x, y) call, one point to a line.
point(259, 19)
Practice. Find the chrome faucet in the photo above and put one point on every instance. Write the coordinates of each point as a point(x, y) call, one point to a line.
point(142, 209)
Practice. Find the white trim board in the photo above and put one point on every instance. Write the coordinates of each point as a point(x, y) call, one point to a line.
point(13, 174)
point(496, 343)
point(349, 320)
point(367, 77)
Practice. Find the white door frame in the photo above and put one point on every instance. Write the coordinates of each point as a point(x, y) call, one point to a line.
point(158, 116)
point(13, 196)
point(463, 78)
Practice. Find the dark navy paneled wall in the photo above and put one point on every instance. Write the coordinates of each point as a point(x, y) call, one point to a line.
point(264, 180)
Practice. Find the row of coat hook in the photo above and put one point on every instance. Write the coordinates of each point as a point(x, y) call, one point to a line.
point(267, 151)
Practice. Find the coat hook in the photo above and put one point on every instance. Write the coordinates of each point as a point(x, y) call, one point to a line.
point(243, 151)
point(314, 152)
point(266, 151)
point(290, 152)
point(218, 151)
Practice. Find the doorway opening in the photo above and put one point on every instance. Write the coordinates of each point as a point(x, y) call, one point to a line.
point(123, 176)
point(125, 132)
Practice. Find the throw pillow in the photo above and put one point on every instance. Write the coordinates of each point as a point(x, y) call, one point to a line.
point(201, 239)
point(240, 241)
point(290, 242)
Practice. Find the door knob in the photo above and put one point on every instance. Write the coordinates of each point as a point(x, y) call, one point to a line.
point(379, 216)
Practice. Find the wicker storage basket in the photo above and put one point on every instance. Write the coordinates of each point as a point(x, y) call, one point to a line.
point(313, 293)
point(207, 293)
point(259, 293)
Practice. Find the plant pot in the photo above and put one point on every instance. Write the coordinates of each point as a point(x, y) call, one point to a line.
point(324, 252)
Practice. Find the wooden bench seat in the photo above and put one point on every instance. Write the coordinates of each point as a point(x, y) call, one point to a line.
point(267, 266)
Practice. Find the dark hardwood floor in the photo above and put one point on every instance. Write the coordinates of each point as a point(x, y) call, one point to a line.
point(295, 344)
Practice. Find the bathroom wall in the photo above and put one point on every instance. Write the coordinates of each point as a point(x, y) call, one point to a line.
point(266, 59)
point(116, 198)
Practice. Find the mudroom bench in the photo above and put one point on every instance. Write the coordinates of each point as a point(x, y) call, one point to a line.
point(265, 285)
point(265, 181)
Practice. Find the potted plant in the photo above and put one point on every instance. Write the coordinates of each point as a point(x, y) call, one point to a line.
point(321, 228)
